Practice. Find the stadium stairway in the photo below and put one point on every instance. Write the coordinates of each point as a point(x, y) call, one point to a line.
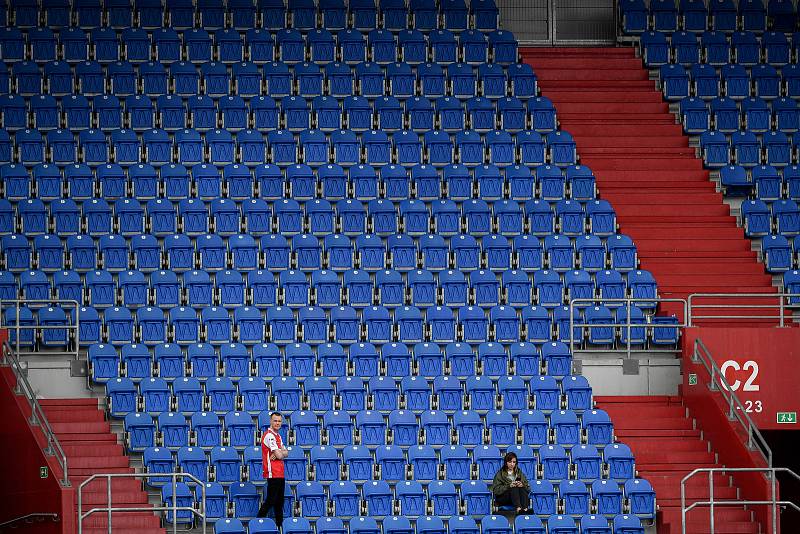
point(645, 167)
point(92, 447)
point(654, 424)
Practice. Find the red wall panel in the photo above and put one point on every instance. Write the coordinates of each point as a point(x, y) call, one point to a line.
point(23, 491)
point(771, 350)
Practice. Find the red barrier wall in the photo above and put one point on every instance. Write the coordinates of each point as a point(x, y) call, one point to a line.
point(21, 456)
point(771, 350)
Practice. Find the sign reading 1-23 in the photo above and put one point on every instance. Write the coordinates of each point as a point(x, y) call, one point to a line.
point(730, 369)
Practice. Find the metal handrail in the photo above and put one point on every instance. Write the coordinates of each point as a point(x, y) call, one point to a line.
point(628, 325)
point(736, 410)
point(711, 503)
point(17, 328)
point(35, 515)
point(782, 304)
point(37, 413)
point(110, 509)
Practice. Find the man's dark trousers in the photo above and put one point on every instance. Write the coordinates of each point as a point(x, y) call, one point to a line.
point(274, 500)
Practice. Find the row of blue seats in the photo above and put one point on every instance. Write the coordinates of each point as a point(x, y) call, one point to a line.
point(325, 114)
point(703, 81)
point(369, 428)
point(332, 183)
point(523, 524)
point(302, 389)
point(318, 394)
point(481, 463)
point(780, 217)
point(356, 288)
point(715, 48)
point(248, 80)
point(421, 463)
point(412, 499)
point(260, 289)
point(763, 182)
point(182, 325)
point(299, 361)
point(272, 182)
point(434, 428)
point(418, 289)
point(376, 148)
point(779, 253)
point(694, 15)
point(728, 115)
point(266, 187)
point(271, 14)
point(317, 216)
point(287, 217)
point(367, 252)
point(228, 45)
point(746, 149)
point(67, 219)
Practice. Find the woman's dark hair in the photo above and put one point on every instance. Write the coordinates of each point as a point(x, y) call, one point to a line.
point(508, 457)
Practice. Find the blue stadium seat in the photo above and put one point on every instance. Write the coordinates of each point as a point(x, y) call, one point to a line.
point(488, 459)
point(470, 429)
point(443, 496)
point(140, 431)
point(416, 389)
point(642, 498)
point(456, 462)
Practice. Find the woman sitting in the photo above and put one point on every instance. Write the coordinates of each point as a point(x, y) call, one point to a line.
point(510, 486)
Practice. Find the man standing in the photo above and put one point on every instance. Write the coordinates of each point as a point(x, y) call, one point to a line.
point(272, 454)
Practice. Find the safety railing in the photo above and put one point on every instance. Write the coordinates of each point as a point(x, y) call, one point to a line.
point(712, 502)
point(781, 304)
point(30, 518)
point(628, 324)
point(736, 410)
point(37, 417)
point(73, 342)
point(174, 508)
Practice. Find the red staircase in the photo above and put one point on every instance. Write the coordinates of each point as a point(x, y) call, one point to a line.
point(645, 167)
point(91, 447)
point(655, 424)
point(685, 236)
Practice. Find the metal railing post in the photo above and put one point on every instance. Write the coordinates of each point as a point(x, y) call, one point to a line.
point(628, 326)
point(108, 488)
point(571, 329)
point(713, 384)
point(80, 510)
point(174, 504)
point(774, 502)
point(683, 508)
point(711, 497)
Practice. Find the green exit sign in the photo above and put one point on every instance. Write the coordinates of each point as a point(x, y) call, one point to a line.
point(787, 418)
point(43, 472)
